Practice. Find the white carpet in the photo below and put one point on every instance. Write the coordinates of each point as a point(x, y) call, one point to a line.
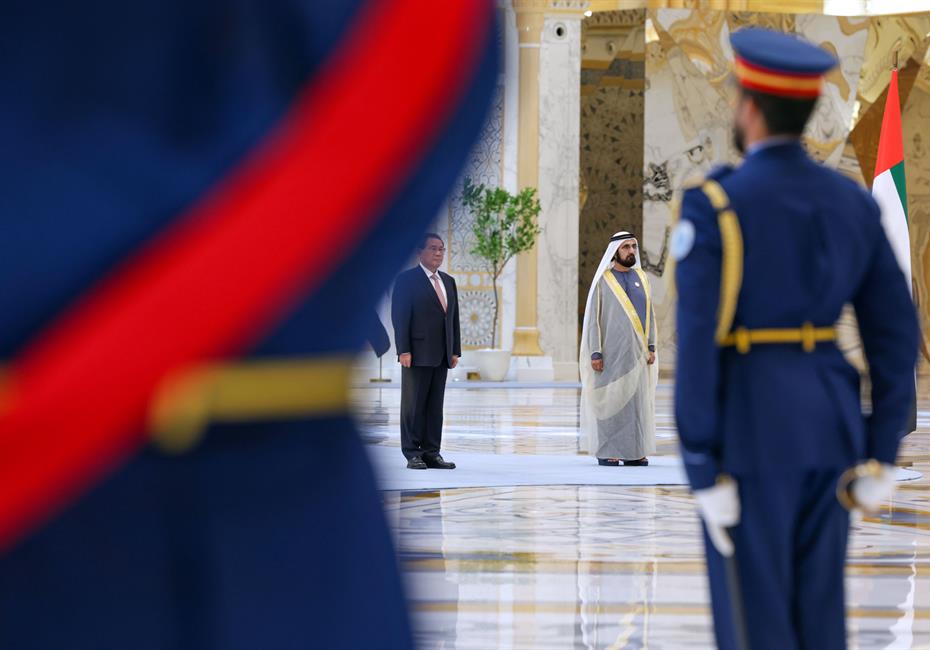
point(472, 384)
point(902, 475)
point(502, 470)
point(506, 470)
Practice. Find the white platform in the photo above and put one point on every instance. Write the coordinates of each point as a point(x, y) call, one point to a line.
point(902, 475)
point(532, 369)
point(475, 384)
point(507, 470)
point(500, 470)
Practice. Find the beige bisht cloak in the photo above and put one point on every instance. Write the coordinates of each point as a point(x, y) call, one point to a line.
point(618, 404)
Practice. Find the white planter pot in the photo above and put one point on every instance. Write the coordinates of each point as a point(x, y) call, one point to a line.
point(459, 373)
point(493, 365)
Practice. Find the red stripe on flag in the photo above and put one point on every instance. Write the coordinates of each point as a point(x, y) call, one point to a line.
point(78, 397)
point(891, 141)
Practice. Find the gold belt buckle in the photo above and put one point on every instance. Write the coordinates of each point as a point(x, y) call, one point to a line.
point(743, 340)
point(808, 337)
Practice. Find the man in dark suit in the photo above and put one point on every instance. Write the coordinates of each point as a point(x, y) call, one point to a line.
point(425, 313)
point(378, 337)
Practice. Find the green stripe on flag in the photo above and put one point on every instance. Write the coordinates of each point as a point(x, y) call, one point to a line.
point(900, 183)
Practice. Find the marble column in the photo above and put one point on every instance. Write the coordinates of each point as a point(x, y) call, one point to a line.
point(530, 19)
point(545, 336)
point(559, 155)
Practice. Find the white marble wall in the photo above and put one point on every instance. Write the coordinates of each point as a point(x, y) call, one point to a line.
point(494, 162)
point(559, 132)
point(511, 91)
point(687, 131)
point(831, 123)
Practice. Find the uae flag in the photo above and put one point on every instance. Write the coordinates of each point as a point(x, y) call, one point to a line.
point(890, 191)
point(888, 188)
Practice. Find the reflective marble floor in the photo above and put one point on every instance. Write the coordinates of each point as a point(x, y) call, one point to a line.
point(606, 566)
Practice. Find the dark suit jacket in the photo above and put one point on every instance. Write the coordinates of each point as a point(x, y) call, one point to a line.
point(378, 336)
point(432, 336)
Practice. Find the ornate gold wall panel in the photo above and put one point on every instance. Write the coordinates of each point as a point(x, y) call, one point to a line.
point(824, 7)
point(904, 34)
point(688, 109)
point(766, 6)
point(915, 121)
point(612, 110)
point(683, 115)
point(909, 37)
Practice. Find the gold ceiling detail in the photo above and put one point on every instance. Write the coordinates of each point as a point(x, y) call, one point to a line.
point(829, 7)
point(907, 35)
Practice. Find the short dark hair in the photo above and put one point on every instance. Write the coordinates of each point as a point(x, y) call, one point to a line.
point(783, 115)
point(426, 237)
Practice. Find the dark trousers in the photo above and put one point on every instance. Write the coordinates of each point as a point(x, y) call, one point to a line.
point(790, 559)
point(239, 544)
point(422, 389)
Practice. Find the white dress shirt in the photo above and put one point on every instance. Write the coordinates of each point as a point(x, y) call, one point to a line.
point(442, 285)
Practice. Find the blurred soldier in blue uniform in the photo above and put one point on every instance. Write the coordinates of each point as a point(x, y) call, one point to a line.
point(202, 201)
point(767, 408)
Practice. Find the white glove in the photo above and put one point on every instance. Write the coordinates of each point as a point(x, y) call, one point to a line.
point(869, 492)
point(720, 510)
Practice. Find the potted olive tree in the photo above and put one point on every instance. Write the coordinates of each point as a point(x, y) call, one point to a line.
point(504, 225)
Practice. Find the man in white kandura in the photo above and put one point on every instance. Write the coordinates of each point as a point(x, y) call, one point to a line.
point(618, 365)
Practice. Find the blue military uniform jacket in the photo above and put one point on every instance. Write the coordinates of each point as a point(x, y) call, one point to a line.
point(811, 241)
point(270, 532)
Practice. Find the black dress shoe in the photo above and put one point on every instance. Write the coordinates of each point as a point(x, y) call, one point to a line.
point(642, 462)
point(436, 462)
point(608, 462)
point(416, 463)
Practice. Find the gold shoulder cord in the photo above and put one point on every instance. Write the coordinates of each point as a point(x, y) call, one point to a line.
point(675, 207)
point(731, 277)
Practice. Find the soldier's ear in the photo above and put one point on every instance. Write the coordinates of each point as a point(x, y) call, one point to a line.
point(753, 108)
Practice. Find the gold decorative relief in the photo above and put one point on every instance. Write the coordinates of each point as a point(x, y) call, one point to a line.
point(688, 122)
point(780, 22)
point(887, 35)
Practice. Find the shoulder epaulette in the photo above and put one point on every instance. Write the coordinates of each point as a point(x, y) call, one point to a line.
point(696, 180)
point(720, 172)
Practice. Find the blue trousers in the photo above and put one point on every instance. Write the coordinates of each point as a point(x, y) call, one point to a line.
point(790, 560)
point(266, 536)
